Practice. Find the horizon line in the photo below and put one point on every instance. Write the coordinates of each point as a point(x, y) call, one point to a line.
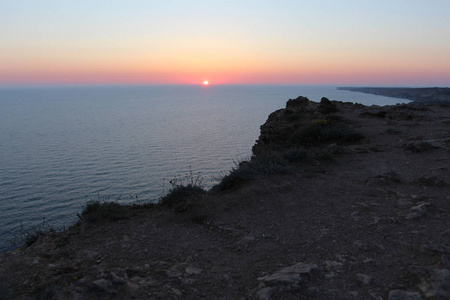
point(62, 85)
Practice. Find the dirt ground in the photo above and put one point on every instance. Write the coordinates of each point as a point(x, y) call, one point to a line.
point(373, 223)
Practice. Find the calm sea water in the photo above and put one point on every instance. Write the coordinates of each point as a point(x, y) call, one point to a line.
point(62, 146)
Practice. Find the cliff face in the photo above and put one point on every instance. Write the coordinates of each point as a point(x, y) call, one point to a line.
point(305, 124)
point(362, 214)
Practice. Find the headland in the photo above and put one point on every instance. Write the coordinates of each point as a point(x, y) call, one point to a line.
point(420, 95)
point(339, 201)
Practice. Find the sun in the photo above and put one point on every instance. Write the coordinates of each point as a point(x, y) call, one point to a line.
point(205, 82)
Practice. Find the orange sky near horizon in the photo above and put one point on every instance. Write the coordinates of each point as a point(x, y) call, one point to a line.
point(246, 42)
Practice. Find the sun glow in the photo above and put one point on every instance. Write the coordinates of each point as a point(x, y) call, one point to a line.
point(205, 82)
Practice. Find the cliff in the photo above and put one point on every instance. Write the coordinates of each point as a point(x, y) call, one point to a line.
point(339, 201)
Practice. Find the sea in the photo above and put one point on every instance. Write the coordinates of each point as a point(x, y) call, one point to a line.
point(63, 146)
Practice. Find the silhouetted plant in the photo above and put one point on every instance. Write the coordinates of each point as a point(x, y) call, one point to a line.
point(296, 154)
point(5, 294)
point(95, 211)
point(182, 188)
point(263, 164)
point(324, 131)
point(26, 238)
point(179, 194)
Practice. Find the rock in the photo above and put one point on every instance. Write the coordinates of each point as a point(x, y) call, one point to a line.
point(404, 202)
point(100, 285)
point(365, 279)
point(245, 241)
point(177, 292)
point(431, 181)
point(403, 295)
point(374, 114)
point(446, 261)
point(439, 248)
point(326, 106)
point(421, 146)
point(244, 164)
point(437, 286)
point(353, 293)
point(103, 285)
point(193, 271)
point(302, 125)
point(174, 272)
point(264, 294)
point(4, 292)
point(394, 130)
point(332, 265)
point(435, 281)
point(297, 102)
point(417, 211)
point(385, 178)
point(90, 254)
point(143, 281)
point(441, 284)
point(290, 276)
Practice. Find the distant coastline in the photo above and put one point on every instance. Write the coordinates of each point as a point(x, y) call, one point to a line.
point(421, 95)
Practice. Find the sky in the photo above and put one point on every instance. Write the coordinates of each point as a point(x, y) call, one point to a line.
point(326, 42)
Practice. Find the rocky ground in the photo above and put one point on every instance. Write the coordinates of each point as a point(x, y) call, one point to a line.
point(353, 204)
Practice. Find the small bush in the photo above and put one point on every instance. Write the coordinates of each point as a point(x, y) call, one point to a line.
point(236, 177)
point(199, 219)
point(296, 154)
point(179, 193)
point(183, 188)
point(321, 122)
point(26, 238)
point(50, 289)
point(325, 156)
point(5, 294)
point(332, 118)
point(325, 132)
point(96, 211)
point(263, 164)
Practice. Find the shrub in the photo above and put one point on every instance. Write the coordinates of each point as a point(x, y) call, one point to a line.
point(26, 238)
point(321, 122)
point(179, 193)
point(321, 132)
point(236, 177)
point(263, 164)
point(296, 154)
point(182, 189)
point(95, 211)
point(332, 118)
point(5, 294)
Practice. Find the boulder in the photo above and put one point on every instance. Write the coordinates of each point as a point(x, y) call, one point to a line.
point(327, 107)
point(290, 276)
